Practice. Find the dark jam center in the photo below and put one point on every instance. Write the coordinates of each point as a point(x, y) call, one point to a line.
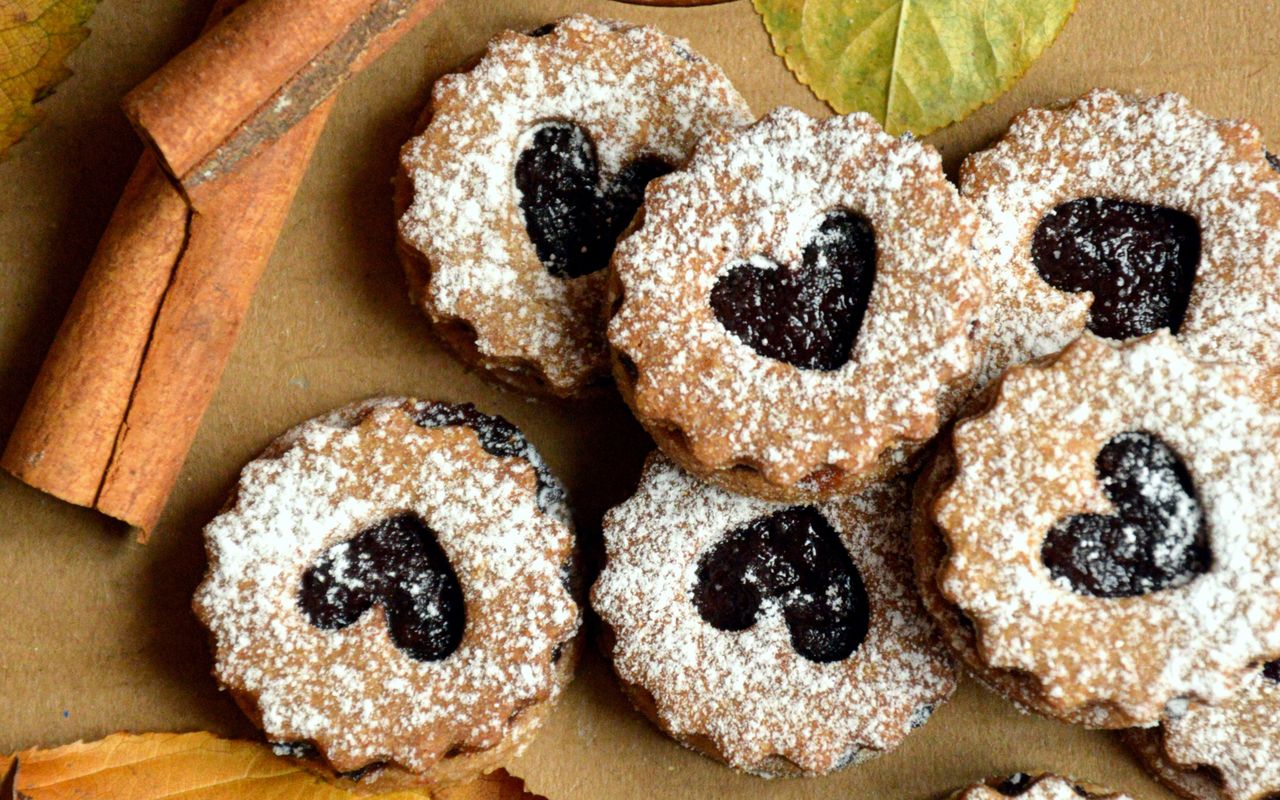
point(1139, 262)
point(573, 217)
point(1157, 537)
point(1015, 785)
point(398, 564)
point(795, 560)
point(1020, 783)
point(498, 437)
point(807, 315)
point(1271, 671)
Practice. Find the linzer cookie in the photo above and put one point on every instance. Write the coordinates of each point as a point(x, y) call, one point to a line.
point(928, 554)
point(1035, 787)
point(1121, 215)
point(779, 639)
point(1226, 752)
point(531, 164)
point(1106, 531)
point(387, 592)
point(793, 303)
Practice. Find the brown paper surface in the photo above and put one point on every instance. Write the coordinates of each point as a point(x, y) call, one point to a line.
point(97, 631)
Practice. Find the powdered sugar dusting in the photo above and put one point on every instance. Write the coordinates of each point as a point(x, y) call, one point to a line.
point(350, 691)
point(1043, 787)
point(928, 554)
point(763, 191)
point(1238, 739)
point(1028, 462)
point(636, 91)
point(1155, 150)
point(749, 691)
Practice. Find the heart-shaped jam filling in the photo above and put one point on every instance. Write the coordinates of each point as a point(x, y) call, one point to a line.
point(1139, 262)
point(792, 560)
point(397, 564)
point(807, 315)
point(1156, 539)
point(573, 216)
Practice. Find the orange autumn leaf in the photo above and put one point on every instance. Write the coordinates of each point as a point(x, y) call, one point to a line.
point(194, 766)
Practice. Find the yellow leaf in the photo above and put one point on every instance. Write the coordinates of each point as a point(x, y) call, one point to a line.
point(195, 766)
point(36, 36)
point(915, 65)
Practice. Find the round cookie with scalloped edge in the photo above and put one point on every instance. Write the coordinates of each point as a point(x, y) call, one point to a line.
point(527, 168)
point(1106, 529)
point(792, 310)
point(388, 593)
point(1123, 214)
point(738, 625)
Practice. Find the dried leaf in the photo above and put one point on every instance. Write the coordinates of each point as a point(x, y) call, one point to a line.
point(36, 36)
point(195, 766)
point(915, 65)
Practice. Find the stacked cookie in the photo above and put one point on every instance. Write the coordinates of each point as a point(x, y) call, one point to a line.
point(763, 332)
point(393, 588)
point(1095, 536)
point(528, 167)
point(1028, 425)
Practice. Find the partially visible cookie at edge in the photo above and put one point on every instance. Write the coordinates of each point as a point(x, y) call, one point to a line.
point(1123, 214)
point(1041, 786)
point(1225, 752)
point(1106, 529)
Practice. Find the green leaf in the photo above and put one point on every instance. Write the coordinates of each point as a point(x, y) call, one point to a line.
point(36, 36)
point(915, 65)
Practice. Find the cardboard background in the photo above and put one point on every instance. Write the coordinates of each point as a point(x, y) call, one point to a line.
point(97, 634)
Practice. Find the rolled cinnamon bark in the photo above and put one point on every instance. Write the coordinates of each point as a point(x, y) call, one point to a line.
point(65, 436)
point(120, 396)
point(228, 245)
point(206, 110)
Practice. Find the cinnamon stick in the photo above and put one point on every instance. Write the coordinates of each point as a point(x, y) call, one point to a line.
point(228, 245)
point(65, 436)
point(121, 393)
point(205, 110)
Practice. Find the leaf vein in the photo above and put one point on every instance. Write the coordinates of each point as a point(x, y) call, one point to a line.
point(903, 10)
